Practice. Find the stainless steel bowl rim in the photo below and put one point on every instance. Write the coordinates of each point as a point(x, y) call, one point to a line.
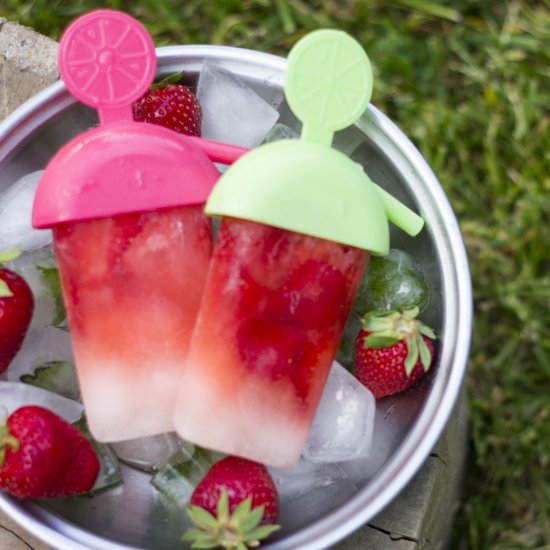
point(456, 336)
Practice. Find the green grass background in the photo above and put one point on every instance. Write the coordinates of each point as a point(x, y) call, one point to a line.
point(469, 83)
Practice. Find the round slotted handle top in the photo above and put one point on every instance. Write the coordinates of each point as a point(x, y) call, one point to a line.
point(328, 83)
point(107, 60)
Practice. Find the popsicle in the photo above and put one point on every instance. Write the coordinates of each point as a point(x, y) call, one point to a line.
point(125, 201)
point(299, 221)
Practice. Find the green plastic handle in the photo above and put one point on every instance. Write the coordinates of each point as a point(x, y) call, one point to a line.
point(306, 185)
point(399, 214)
point(328, 83)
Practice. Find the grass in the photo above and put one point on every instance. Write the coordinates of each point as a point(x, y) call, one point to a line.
point(469, 83)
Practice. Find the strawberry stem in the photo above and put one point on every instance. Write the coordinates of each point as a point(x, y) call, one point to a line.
point(7, 440)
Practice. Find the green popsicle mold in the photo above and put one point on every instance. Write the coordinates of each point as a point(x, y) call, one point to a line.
point(305, 185)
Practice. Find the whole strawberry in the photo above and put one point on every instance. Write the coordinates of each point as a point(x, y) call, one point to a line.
point(393, 350)
point(16, 309)
point(234, 505)
point(171, 105)
point(42, 456)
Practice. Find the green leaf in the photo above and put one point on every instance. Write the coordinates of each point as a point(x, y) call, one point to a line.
point(170, 79)
point(425, 355)
point(195, 533)
point(379, 341)
point(427, 331)
point(241, 546)
point(377, 324)
point(412, 355)
point(205, 544)
point(5, 291)
point(10, 255)
point(202, 518)
point(241, 512)
point(411, 313)
point(222, 509)
point(262, 532)
point(253, 519)
point(51, 278)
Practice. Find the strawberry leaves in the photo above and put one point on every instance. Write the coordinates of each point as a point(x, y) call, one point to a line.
point(393, 350)
point(239, 530)
point(387, 328)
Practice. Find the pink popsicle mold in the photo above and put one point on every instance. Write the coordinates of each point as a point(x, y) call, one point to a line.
point(107, 61)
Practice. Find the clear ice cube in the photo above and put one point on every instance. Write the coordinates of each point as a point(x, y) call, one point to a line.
point(305, 477)
point(344, 422)
point(41, 347)
point(231, 111)
point(148, 453)
point(15, 216)
point(185, 468)
point(281, 131)
point(14, 395)
point(309, 491)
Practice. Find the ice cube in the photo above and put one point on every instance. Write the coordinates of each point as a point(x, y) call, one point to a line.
point(14, 395)
point(44, 346)
point(15, 216)
point(231, 111)
point(281, 131)
point(344, 422)
point(39, 269)
point(178, 479)
point(109, 472)
point(148, 453)
point(305, 477)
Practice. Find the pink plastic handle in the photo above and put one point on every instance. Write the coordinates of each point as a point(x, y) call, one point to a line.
point(107, 60)
point(217, 151)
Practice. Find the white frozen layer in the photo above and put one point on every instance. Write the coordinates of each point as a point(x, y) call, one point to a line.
point(231, 111)
point(15, 216)
point(344, 422)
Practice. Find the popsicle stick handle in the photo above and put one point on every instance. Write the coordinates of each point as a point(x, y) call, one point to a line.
point(399, 214)
point(223, 153)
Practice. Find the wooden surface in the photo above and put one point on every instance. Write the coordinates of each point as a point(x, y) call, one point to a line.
point(419, 518)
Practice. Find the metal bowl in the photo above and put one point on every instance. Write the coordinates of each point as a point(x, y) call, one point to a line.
point(407, 425)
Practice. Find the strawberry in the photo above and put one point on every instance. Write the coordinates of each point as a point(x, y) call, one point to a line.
point(16, 309)
point(393, 350)
point(233, 506)
point(278, 350)
point(42, 455)
point(171, 105)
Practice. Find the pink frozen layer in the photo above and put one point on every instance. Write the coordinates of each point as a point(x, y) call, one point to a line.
point(132, 286)
point(272, 315)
